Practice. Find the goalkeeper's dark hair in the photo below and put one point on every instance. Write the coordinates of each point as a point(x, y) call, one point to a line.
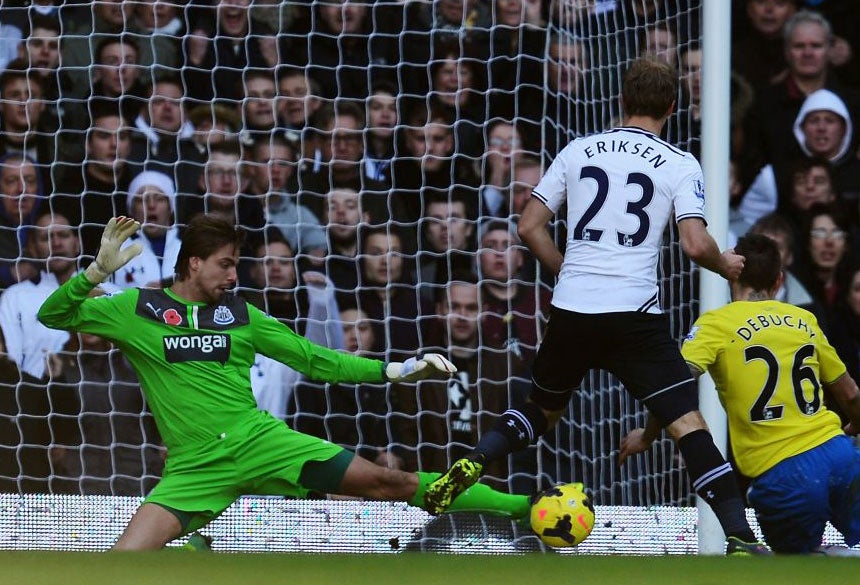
point(650, 87)
point(205, 235)
point(762, 265)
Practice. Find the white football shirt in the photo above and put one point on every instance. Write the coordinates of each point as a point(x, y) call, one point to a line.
point(620, 187)
point(28, 342)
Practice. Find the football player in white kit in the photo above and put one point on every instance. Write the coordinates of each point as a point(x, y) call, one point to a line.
point(621, 188)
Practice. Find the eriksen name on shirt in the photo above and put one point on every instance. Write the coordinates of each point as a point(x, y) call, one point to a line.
point(635, 149)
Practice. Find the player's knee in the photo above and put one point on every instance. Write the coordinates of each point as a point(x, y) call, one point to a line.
point(677, 408)
point(686, 424)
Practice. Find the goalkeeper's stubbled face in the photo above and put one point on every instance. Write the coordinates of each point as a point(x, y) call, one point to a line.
point(216, 274)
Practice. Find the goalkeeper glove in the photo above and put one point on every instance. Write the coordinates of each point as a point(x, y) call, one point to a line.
point(415, 369)
point(111, 257)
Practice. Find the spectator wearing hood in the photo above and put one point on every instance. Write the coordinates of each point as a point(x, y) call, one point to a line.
point(768, 124)
point(823, 130)
point(152, 202)
point(21, 193)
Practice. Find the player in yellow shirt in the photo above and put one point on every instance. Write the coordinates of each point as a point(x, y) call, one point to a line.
point(771, 365)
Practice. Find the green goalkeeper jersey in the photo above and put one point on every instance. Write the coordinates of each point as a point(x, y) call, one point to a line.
point(193, 359)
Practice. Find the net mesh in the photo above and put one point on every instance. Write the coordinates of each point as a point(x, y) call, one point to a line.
point(370, 142)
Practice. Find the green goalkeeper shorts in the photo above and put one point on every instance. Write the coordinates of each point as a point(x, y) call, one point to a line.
point(262, 456)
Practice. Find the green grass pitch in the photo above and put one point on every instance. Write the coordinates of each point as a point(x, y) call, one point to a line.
point(189, 568)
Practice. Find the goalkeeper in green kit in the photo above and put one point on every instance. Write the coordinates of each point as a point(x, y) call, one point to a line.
point(192, 346)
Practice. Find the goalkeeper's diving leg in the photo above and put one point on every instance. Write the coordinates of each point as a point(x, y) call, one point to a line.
point(375, 482)
point(515, 430)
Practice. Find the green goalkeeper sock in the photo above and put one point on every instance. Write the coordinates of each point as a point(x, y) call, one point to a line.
point(479, 498)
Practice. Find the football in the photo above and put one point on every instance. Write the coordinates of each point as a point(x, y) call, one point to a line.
point(563, 515)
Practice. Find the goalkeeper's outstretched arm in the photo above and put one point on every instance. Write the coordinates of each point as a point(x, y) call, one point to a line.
point(279, 342)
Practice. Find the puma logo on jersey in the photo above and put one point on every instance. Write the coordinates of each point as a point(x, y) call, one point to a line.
point(203, 347)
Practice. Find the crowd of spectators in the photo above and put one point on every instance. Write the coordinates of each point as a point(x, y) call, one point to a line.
point(378, 155)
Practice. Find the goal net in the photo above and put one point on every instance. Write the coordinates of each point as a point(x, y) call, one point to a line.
point(451, 105)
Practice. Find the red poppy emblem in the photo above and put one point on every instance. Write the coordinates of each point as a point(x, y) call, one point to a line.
point(172, 317)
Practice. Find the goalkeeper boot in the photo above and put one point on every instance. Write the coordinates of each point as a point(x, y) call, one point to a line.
point(198, 542)
point(735, 547)
point(461, 476)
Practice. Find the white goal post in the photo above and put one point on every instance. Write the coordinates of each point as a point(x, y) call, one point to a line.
point(716, 103)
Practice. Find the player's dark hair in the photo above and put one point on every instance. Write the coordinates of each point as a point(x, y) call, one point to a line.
point(204, 235)
point(650, 87)
point(763, 264)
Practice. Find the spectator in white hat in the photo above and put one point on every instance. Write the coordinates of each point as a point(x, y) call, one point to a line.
point(152, 202)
